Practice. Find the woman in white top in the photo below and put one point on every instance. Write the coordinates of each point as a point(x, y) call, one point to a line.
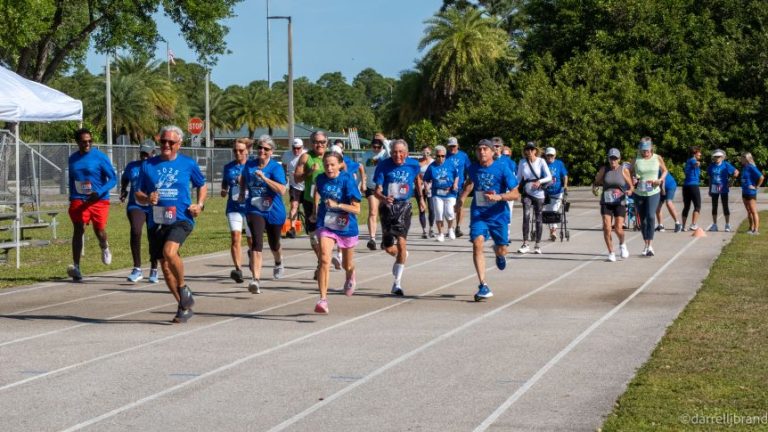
point(532, 175)
point(424, 161)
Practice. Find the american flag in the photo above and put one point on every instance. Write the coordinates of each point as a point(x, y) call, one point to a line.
point(171, 57)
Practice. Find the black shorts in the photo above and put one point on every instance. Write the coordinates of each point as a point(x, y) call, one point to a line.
point(748, 197)
point(294, 194)
point(395, 221)
point(369, 192)
point(160, 234)
point(615, 210)
point(309, 208)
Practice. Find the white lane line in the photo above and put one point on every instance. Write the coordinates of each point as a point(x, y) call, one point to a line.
point(242, 360)
point(205, 327)
point(123, 315)
point(327, 400)
point(540, 373)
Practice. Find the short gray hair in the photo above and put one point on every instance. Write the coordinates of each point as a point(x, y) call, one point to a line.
point(315, 134)
point(175, 129)
point(440, 148)
point(399, 141)
point(266, 139)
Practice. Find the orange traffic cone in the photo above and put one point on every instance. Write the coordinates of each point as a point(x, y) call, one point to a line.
point(699, 233)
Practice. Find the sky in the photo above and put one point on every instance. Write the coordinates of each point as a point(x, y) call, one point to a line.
point(328, 36)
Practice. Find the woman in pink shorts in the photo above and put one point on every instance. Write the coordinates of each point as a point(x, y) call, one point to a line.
point(337, 204)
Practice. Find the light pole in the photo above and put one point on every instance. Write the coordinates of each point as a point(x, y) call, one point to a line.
point(290, 77)
point(108, 77)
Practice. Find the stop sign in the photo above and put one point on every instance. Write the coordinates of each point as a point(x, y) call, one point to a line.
point(195, 126)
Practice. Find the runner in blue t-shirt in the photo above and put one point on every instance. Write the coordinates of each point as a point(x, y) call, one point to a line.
point(164, 183)
point(460, 160)
point(491, 184)
point(265, 181)
point(751, 180)
point(337, 204)
point(444, 179)
point(395, 180)
point(556, 189)
point(91, 177)
point(235, 210)
point(668, 189)
point(503, 154)
point(137, 213)
point(691, 193)
point(720, 171)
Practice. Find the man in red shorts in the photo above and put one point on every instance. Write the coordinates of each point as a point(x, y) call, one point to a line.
point(91, 177)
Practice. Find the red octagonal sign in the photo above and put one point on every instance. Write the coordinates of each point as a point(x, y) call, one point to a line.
point(195, 126)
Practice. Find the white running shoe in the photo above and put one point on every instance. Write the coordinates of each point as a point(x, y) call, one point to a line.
point(336, 261)
point(537, 249)
point(727, 228)
point(649, 252)
point(644, 252)
point(612, 257)
point(441, 237)
point(624, 252)
point(106, 256)
point(451, 234)
point(524, 249)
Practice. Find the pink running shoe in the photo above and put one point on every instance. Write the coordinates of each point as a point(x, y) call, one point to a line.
point(349, 286)
point(322, 306)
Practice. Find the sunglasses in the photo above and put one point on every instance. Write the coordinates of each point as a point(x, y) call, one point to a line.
point(267, 149)
point(439, 156)
point(166, 141)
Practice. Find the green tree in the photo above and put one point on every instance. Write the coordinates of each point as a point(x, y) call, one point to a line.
point(41, 38)
point(257, 106)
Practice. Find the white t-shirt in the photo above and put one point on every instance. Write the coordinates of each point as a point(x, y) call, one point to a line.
point(289, 162)
point(540, 170)
point(370, 160)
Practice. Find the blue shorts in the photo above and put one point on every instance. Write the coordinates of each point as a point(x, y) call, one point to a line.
point(499, 232)
point(669, 195)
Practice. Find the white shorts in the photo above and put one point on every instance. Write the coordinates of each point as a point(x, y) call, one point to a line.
point(236, 221)
point(444, 208)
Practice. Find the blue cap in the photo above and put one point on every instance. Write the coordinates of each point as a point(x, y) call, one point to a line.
point(645, 145)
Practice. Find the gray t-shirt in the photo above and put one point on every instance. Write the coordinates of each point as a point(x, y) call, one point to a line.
point(289, 162)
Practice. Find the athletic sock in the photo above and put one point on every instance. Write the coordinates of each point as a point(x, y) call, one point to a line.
point(397, 271)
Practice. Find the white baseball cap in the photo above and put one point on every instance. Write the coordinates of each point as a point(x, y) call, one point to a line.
point(336, 149)
point(550, 151)
point(297, 142)
point(452, 141)
point(718, 153)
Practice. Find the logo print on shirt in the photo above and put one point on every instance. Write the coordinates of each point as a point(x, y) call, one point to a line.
point(166, 177)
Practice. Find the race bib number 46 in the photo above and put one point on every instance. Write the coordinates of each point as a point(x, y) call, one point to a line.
point(164, 215)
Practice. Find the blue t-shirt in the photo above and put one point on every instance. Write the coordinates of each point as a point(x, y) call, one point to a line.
point(498, 178)
point(397, 181)
point(90, 172)
point(262, 200)
point(750, 175)
point(353, 168)
point(669, 181)
point(442, 177)
point(692, 172)
point(230, 179)
point(718, 177)
point(510, 163)
point(171, 179)
point(460, 160)
point(559, 172)
point(342, 189)
point(131, 174)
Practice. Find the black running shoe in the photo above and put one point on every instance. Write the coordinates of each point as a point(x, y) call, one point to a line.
point(459, 233)
point(186, 299)
point(371, 244)
point(182, 315)
point(236, 275)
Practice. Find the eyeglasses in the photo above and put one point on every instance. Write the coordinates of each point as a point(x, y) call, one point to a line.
point(439, 156)
point(166, 141)
point(266, 149)
point(321, 142)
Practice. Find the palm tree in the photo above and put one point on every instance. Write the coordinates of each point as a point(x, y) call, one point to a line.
point(256, 106)
point(464, 44)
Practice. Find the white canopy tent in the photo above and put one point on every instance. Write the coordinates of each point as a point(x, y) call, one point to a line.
point(25, 100)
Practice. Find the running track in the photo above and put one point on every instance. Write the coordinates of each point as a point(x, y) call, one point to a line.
point(552, 350)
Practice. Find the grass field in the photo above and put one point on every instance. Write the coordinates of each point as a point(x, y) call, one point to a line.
point(710, 371)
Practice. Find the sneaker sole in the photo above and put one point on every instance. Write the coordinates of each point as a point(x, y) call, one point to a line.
point(320, 310)
point(184, 318)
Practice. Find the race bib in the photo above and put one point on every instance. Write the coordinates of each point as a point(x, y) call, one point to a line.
point(398, 190)
point(443, 192)
point(715, 189)
point(481, 200)
point(164, 215)
point(645, 186)
point(261, 203)
point(83, 187)
point(338, 221)
point(612, 196)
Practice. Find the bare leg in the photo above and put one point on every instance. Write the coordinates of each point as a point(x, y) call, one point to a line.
point(234, 247)
point(478, 258)
point(77, 242)
point(326, 250)
point(607, 232)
